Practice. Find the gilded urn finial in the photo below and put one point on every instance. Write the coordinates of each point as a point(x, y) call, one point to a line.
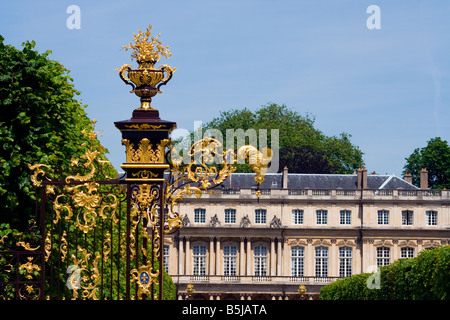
point(146, 79)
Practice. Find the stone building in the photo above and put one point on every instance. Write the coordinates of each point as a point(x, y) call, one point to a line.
point(305, 229)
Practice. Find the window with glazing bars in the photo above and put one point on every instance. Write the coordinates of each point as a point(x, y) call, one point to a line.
point(229, 260)
point(260, 261)
point(383, 256)
point(199, 260)
point(345, 216)
point(297, 256)
point(260, 216)
point(297, 216)
point(199, 215)
point(321, 216)
point(230, 215)
point(166, 258)
point(406, 252)
point(383, 216)
point(321, 261)
point(431, 218)
point(407, 218)
point(345, 262)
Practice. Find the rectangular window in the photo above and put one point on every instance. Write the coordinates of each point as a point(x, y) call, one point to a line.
point(229, 260)
point(383, 216)
point(407, 218)
point(345, 216)
point(297, 216)
point(383, 256)
point(230, 215)
point(431, 218)
point(321, 216)
point(260, 261)
point(199, 260)
point(406, 252)
point(260, 216)
point(321, 262)
point(199, 215)
point(166, 258)
point(297, 256)
point(345, 262)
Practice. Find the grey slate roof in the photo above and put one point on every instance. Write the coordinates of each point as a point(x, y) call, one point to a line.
point(316, 181)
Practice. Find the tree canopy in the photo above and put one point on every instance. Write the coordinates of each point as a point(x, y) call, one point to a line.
point(40, 122)
point(302, 147)
point(435, 157)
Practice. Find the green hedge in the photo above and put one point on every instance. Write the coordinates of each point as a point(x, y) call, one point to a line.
point(426, 277)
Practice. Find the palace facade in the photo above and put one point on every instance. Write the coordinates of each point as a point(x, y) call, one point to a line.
point(305, 229)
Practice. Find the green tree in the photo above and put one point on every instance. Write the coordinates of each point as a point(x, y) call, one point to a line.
point(40, 122)
point(435, 157)
point(303, 148)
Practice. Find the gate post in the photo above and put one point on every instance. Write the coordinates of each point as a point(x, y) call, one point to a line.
point(153, 195)
point(145, 137)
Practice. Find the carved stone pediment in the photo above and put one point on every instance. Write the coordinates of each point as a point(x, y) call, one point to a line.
point(346, 242)
point(297, 242)
point(321, 242)
point(383, 242)
point(407, 243)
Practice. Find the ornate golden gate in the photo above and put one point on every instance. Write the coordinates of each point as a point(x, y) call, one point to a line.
point(101, 237)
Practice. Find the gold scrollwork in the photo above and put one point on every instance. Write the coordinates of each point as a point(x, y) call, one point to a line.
point(145, 126)
point(89, 202)
point(204, 154)
point(29, 292)
point(64, 246)
point(89, 281)
point(106, 247)
point(174, 219)
point(144, 174)
point(48, 246)
point(38, 171)
point(29, 268)
point(90, 156)
point(134, 217)
point(257, 160)
point(58, 207)
point(112, 207)
point(27, 246)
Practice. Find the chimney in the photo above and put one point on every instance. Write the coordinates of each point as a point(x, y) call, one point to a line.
point(285, 177)
point(424, 179)
point(408, 177)
point(362, 178)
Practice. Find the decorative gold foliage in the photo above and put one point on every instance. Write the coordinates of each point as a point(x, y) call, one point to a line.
point(88, 278)
point(146, 47)
point(29, 267)
point(144, 153)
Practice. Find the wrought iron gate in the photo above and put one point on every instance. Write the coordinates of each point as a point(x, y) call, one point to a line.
point(93, 239)
point(101, 237)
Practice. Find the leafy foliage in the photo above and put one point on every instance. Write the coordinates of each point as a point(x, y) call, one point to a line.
point(425, 277)
point(40, 122)
point(303, 148)
point(435, 157)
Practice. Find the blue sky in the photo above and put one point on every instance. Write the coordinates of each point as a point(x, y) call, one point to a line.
point(388, 88)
